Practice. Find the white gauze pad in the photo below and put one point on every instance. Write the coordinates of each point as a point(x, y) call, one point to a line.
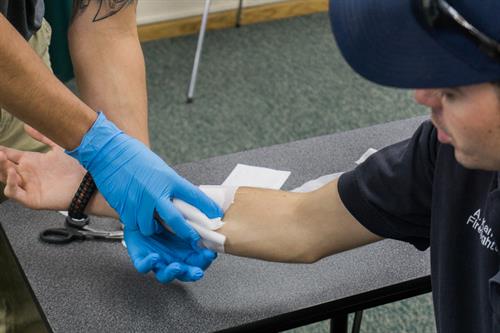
point(224, 197)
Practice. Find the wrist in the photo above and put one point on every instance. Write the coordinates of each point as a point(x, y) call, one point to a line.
point(99, 206)
point(97, 137)
point(88, 201)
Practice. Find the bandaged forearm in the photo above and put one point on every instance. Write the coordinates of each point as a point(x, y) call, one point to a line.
point(260, 223)
point(207, 228)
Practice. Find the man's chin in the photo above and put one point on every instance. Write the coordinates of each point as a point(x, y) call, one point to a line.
point(475, 163)
point(464, 160)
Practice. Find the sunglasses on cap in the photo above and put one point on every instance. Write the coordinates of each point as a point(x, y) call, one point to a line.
point(435, 14)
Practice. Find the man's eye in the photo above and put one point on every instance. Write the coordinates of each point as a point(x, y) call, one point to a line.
point(448, 95)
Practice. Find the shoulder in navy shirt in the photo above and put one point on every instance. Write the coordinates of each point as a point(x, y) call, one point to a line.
point(415, 191)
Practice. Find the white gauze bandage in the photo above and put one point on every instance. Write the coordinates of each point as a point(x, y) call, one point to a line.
point(224, 197)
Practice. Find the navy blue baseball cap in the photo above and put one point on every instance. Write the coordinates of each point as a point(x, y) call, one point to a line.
point(390, 42)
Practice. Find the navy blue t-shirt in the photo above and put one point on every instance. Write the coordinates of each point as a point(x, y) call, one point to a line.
point(416, 191)
point(25, 15)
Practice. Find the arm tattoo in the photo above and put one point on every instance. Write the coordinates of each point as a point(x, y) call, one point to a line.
point(106, 8)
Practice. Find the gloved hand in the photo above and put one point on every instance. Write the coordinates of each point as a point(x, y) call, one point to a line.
point(136, 182)
point(167, 256)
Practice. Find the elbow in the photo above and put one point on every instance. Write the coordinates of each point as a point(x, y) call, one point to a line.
point(311, 258)
point(306, 256)
point(305, 260)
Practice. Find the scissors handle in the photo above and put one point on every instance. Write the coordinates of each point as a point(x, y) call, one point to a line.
point(76, 223)
point(60, 236)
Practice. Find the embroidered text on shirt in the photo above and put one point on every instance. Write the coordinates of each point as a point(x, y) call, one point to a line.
point(478, 223)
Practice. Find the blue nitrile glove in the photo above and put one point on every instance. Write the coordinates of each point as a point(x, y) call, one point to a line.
point(167, 256)
point(135, 181)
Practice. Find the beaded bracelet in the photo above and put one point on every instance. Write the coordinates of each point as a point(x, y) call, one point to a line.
point(82, 197)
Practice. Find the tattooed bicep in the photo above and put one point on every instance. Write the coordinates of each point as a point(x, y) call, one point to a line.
point(102, 8)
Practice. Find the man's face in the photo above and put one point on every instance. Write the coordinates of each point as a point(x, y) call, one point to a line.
point(468, 118)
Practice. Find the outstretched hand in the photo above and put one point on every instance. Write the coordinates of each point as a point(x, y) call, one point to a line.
point(40, 180)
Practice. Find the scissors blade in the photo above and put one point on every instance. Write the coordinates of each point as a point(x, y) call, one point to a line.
point(111, 235)
point(115, 234)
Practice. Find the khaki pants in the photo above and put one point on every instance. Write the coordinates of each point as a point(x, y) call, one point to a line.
point(17, 310)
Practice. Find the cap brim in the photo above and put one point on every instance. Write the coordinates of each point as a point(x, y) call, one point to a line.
point(383, 41)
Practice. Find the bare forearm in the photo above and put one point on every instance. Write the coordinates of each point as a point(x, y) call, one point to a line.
point(329, 227)
point(109, 64)
point(291, 227)
point(264, 224)
point(29, 91)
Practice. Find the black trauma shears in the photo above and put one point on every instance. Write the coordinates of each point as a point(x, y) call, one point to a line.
point(77, 230)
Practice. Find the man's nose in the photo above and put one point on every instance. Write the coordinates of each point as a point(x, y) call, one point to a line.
point(428, 97)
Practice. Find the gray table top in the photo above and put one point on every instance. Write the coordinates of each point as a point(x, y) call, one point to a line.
point(93, 287)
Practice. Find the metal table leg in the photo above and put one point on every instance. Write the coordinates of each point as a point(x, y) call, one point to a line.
point(238, 14)
point(338, 323)
point(199, 48)
point(356, 325)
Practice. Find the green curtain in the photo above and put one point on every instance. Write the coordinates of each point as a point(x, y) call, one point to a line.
point(58, 14)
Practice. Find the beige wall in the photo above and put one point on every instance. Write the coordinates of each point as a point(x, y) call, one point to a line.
point(150, 11)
